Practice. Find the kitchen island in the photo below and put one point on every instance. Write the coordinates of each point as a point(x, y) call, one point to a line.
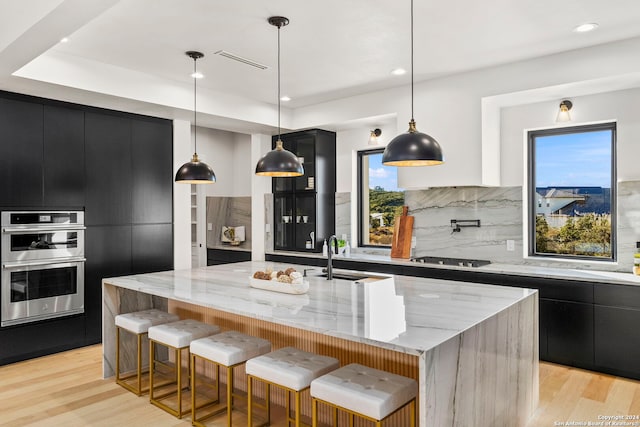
point(473, 348)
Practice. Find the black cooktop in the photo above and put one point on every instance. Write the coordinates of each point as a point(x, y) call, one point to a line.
point(461, 262)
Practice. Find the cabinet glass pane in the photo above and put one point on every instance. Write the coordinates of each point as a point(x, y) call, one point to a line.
point(305, 150)
point(305, 222)
point(284, 222)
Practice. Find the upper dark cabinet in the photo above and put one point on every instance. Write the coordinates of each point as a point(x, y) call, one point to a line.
point(108, 169)
point(63, 157)
point(152, 160)
point(21, 153)
point(304, 207)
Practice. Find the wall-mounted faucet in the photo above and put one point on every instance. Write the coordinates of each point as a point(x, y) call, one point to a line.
point(458, 223)
point(333, 239)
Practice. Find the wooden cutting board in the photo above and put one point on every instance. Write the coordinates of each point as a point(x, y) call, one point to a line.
point(402, 230)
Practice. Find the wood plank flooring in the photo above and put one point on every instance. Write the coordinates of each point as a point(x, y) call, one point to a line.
point(66, 389)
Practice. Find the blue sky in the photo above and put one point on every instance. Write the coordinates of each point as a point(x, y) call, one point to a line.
point(582, 159)
point(380, 175)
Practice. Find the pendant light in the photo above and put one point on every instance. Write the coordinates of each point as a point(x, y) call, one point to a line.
point(412, 148)
point(195, 171)
point(279, 162)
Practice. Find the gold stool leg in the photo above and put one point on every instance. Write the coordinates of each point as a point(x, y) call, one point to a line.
point(268, 402)
point(193, 388)
point(179, 380)
point(139, 364)
point(314, 412)
point(151, 367)
point(117, 354)
point(287, 408)
point(297, 408)
point(229, 394)
point(350, 420)
point(249, 400)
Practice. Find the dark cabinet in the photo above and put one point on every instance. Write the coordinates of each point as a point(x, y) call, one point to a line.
point(151, 247)
point(21, 153)
point(617, 339)
point(116, 166)
point(304, 207)
point(108, 169)
point(227, 256)
point(63, 157)
point(108, 253)
point(569, 332)
point(152, 161)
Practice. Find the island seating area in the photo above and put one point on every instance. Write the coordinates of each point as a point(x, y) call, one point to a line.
point(459, 341)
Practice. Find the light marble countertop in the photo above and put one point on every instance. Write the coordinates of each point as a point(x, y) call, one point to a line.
point(401, 313)
point(597, 276)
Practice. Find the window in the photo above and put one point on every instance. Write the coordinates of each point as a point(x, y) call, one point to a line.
point(572, 201)
point(379, 199)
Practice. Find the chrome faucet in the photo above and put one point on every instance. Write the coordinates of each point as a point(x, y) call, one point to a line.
point(333, 239)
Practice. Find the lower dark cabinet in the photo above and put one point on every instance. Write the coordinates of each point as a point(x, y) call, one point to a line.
point(224, 256)
point(569, 332)
point(617, 339)
point(36, 339)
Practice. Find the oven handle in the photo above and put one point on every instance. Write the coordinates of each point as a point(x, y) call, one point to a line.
point(14, 230)
point(10, 265)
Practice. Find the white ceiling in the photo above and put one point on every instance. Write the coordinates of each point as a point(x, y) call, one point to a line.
point(331, 49)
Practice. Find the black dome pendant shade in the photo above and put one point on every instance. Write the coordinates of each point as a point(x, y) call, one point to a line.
point(412, 148)
point(195, 171)
point(279, 162)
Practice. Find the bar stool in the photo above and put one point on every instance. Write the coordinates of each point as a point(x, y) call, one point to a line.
point(176, 336)
point(290, 369)
point(366, 392)
point(137, 323)
point(228, 349)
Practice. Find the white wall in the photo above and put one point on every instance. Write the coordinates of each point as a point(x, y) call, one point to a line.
point(348, 143)
point(181, 198)
point(621, 106)
point(229, 155)
point(450, 108)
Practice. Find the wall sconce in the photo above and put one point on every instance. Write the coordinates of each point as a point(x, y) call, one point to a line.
point(563, 113)
point(373, 138)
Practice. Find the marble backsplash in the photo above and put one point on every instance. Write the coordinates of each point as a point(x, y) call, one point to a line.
point(230, 212)
point(499, 210)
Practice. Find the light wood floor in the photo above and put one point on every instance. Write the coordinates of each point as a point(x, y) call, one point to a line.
point(66, 389)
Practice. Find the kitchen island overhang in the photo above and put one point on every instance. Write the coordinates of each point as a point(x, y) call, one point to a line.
point(473, 348)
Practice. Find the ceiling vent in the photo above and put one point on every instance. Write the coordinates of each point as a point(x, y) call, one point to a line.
point(241, 59)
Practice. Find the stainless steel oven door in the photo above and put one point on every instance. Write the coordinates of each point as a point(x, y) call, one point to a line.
point(43, 289)
point(21, 243)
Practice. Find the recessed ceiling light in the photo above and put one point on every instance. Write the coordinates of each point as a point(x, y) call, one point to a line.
point(64, 39)
point(285, 98)
point(585, 28)
point(197, 75)
point(398, 71)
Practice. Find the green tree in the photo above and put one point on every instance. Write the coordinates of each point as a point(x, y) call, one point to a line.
point(569, 236)
point(542, 234)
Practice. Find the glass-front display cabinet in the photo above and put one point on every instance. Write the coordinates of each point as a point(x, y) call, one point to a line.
point(304, 207)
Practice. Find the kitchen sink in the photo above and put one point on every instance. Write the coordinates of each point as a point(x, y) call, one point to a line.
point(354, 276)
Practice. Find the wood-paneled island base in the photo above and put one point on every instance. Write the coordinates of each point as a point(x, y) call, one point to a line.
point(473, 348)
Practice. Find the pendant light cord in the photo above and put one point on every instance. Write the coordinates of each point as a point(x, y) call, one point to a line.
point(412, 118)
point(279, 26)
point(195, 116)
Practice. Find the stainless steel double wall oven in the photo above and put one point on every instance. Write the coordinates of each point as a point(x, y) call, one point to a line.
point(42, 265)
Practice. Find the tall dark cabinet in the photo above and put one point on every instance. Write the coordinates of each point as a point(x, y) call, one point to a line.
point(118, 168)
point(304, 207)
